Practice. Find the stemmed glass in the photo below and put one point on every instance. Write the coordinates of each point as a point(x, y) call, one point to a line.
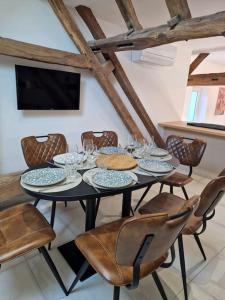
point(88, 147)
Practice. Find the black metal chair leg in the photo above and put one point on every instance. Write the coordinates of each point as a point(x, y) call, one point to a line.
point(142, 197)
point(185, 193)
point(81, 272)
point(159, 285)
point(171, 189)
point(161, 188)
point(182, 265)
point(65, 203)
point(52, 219)
point(200, 245)
point(116, 293)
point(53, 268)
point(36, 202)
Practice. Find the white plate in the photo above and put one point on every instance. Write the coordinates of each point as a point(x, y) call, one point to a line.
point(155, 166)
point(43, 177)
point(112, 179)
point(68, 157)
point(111, 150)
point(88, 175)
point(159, 152)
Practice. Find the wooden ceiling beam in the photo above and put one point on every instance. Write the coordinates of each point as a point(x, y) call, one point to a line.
point(128, 12)
point(107, 67)
point(178, 8)
point(97, 32)
point(206, 79)
point(195, 28)
point(197, 61)
point(71, 28)
point(9, 47)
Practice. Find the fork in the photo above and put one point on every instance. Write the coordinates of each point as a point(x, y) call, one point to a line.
point(61, 184)
point(94, 187)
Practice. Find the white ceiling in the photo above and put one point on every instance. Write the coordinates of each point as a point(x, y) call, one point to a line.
point(154, 12)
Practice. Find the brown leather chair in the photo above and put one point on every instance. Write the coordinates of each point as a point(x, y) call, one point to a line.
point(189, 152)
point(22, 230)
point(101, 138)
point(129, 249)
point(196, 225)
point(37, 152)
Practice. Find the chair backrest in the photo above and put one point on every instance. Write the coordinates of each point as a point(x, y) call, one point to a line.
point(37, 152)
point(211, 195)
point(163, 228)
point(101, 139)
point(188, 151)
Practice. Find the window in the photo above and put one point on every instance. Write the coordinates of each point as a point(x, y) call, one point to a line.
point(192, 105)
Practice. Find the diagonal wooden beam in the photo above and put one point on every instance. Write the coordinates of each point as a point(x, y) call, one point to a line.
point(211, 79)
point(77, 37)
point(97, 32)
point(201, 27)
point(28, 51)
point(178, 8)
point(199, 59)
point(128, 12)
point(108, 67)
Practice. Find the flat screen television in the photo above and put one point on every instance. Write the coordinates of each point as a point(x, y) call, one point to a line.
point(43, 89)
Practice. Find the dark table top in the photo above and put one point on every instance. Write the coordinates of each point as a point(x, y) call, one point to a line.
point(85, 191)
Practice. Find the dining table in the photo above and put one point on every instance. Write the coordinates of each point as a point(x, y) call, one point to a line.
point(90, 195)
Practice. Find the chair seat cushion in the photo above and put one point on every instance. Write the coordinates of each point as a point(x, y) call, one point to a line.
point(171, 204)
point(99, 248)
point(22, 228)
point(177, 179)
point(164, 202)
point(11, 191)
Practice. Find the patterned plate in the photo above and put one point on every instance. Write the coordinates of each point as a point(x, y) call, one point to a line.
point(111, 150)
point(112, 179)
point(155, 166)
point(43, 177)
point(70, 157)
point(159, 152)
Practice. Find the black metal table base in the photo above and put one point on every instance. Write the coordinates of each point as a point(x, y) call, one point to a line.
point(75, 259)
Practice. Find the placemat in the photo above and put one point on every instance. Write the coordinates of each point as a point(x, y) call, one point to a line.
point(62, 186)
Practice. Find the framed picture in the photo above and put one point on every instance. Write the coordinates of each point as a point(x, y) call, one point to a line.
point(220, 103)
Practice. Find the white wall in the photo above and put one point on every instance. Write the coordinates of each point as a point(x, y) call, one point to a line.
point(162, 89)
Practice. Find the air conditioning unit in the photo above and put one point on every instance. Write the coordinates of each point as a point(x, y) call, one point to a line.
point(164, 55)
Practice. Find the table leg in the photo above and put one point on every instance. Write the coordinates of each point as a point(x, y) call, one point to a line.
point(126, 205)
point(71, 253)
point(90, 214)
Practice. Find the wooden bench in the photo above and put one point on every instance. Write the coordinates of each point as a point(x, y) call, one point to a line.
point(11, 192)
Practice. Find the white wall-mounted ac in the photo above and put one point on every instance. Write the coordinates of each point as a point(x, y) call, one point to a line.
point(164, 55)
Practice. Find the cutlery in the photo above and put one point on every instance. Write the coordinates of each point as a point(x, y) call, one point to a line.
point(61, 184)
point(55, 165)
point(95, 188)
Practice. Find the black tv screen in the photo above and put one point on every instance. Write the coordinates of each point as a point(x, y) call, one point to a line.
point(43, 89)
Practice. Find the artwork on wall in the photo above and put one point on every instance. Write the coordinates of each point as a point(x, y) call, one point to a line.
point(220, 103)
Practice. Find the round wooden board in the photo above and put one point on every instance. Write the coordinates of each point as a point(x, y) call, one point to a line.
point(116, 162)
